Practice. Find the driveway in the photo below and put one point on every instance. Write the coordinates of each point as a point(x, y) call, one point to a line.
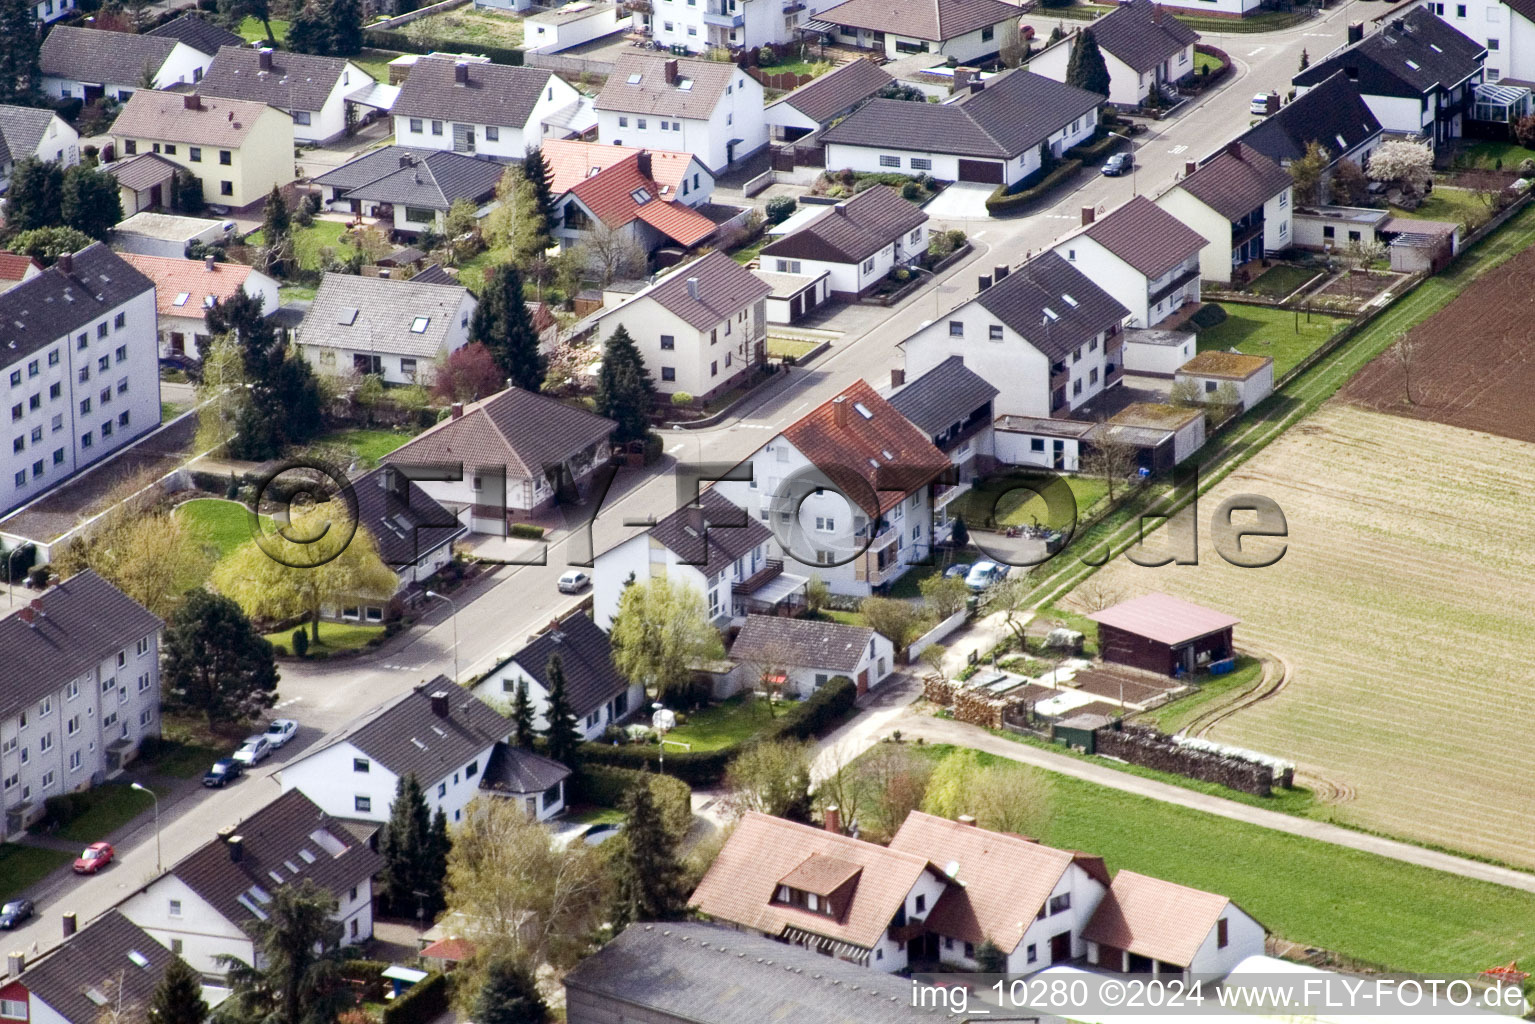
point(963, 200)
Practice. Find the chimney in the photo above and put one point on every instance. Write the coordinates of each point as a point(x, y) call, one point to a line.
point(999, 272)
point(28, 616)
point(983, 282)
point(16, 963)
point(225, 833)
point(461, 73)
point(264, 58)
point(966, 819)
point(69, 924)
point(209, 263)
point(642, 162)
point(236, 846)
point(458, 409)
point(440, 703)
point(693, 519)
point(671, 71)
point(693, 288)
point(833, 816)
point(897, 377)
point(962, 78)
point(976, 85)
point(1355, 31)
point(1234, 148)
point(406, 160)
point(839, 410)
point(66, 263)
point(1156, 14)
point(1189, 167)
point(1088, 215)
point(191, 101)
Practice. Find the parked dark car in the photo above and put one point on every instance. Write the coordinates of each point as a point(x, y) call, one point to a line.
point(1118, 164)
point(15, 912)
point(224, 770)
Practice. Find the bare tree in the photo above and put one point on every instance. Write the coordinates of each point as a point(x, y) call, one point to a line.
point(1013, 798)
point(1186, 392)
point(842, 787)
point(1109, 457)
point(1095, 595)
point(894, 782)
point(766, 670)
point(1012, 597)
point(613, 254)
point(1405, 351)
point(933, 657)
point(1359, 255)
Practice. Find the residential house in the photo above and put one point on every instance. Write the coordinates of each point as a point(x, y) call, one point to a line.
point(79, 374)
point(314, 90)
point(574, 23)
point(198, 33)
point(681, 176)
point(822, 100)
point(712, 547)
point(952, 405)
point(206, 905)
point(396, 329)
point(364, 170)
point(598, 696)
point(1252, 377)
point(1149, 926)
point(727, 24)
point(1240, 201)
point(79, 692)
point(48, 11)
point(966, 31)
point(1163, 634)
point(1046, 335)
point(29, 131)
point(632, 197)
point(108, 964)
point(414, 534)
point(796, 657)
point(1333, 115)
point(491, 109)
point(144, 182)
point(1418, 74)
point(416, 194)
point(16, 268)
point(697, 973)
point(708, 108)
point(186, 289)
point(846, 489)
point(438, 732)
point(238, 149)
point(702, 329)
point(535, 782)
point(1507, 27)
point(507, 456)
point(858, 242)
point(91, 64)
point(990, 132)
point(1143, 47)
point(1143, 256)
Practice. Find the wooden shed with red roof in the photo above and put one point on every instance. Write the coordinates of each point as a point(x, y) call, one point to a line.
point(1164, 634)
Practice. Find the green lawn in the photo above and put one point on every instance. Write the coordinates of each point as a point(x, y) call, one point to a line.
point(599, 816)
point(725, 724)
point(308, 242)
point(1213, 690)
point(252, 30)
point(1460, 205)
point(471, 272)
point(781, 347)
point(1005, 500)
point(22, 867)
point(292, 292)
point(110, 808)
point(1266, 21)
point(1490, 155)
point(469, 26)
point(1280, 280)
point(1205, 60)
point(846, 618)
point(1266, 331)
point(334, 636)
point(170, 410)
point(187, 747)
point(1361, 905)
point(223, 524)
point(747, 253)
point(376, 62)
point(370, 444)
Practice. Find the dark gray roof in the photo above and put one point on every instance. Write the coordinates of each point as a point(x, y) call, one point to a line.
point(371, 166)
point(801, 643)
point(96, 55)
point(852, 231)
point(586, 657)
point(1013, 113)
point(1146, 237)
point(495, 94)
point(378, 314)
point(514, 770)
point(943, 396)
point(202, 36)
point(1236, 181)
point(23, 128)
point(278, 835)
point(933, 20)
point(406, 523)
point(724, 288)
point(823, 98)
point(1141, 34)
point(709, 974)
point(1411, 55)
point(1332, 114)
point(77, 624)
point(1032, 300)
point(435, 183)
point(140, 172)
point(637, 85)
point(729, 533)
point(53, 304)
point(109, 959)
point(408, 737)
point(435, 274)
point(296, 81)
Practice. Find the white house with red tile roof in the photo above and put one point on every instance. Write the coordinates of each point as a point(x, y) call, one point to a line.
point(846, 491)
point(1150, 925)
point(682, 176)
point(628, 197)
point(186, 289)
point(16, 268)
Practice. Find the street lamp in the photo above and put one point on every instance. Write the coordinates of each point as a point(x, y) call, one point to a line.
point(663, 721)
point(156, 799)
point(454, 605)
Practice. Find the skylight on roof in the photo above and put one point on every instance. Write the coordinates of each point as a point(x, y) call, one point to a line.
point(290, 866)
point(95, 996)
point(874, 463)
point(418, 325)
point(1435, 47)
point(641, 196)
point(347, 317)
point(181, 298)
point(139, 959)
point(306, 856)
point(249, 904)
point(594, 172)
point(418, 743)
point(327, 842)
point(1069, 300)
point(1050, 315)
point(209, 301)
point(275, 877)
point(685, 84)
point(1414, 65)
point(863, 410)
point(634, 79)
point(887, 454)
point(260, 894)
point(438, 731)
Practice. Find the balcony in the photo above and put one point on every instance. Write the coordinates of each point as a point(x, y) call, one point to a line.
point(1060, 374)
point(721, 19)
point(1113, 376)
point(947, 494)
point(884, 538)
point(1245, 232)
point(1175, 285)
point(769, 572)
point(867, 569)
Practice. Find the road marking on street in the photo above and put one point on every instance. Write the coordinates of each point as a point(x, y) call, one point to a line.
point(1177, 149)
point(1259, 50)
point(1324, 35)
point(285, 703)
point(674, 448)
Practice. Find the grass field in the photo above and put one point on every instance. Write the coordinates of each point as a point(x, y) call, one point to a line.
point(376, 62)
point(187, 747)
point(252, 31)
point(723, 725)
point(22, 867)
point(1458, 205)
point(334, 636)
point(467, 25)
point(1490, 154)
point(1205, 60)
point(1213, 691)
point(1280, 280)
point(1359, 904)
point(1266, 331)
point(111, 807)
point(747, 253)
point(309, 242)
point(370, 444)
point(1005, 499)
point(780, 347)
point(223, 524)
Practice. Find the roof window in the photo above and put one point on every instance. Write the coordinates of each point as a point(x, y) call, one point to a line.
point(634, 79)
point(686, 85)
point(181, 298)
point(418, 325)
point(863, 410)
point(1414, 65)
point(1050, 315)
point(641, 196)
point(348, 316)
point(1069, 300)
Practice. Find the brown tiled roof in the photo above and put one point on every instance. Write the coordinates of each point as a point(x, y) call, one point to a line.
point(653, 94)
point(876, 456)
point(1155, 918)
point(1235, 365)
point(142, 171)
point(763, 850)
point(198, 33)
point(1147, 237)
point(591, 679)
point(1236, 182)
point(622, 192)
point(14, 266)
point(1052, 305)
point(933, 20)
point(823, 98)
point(452, 949)
point(96, 55)
point(852, 231)
point(729, 534)
point(821, 874)
point(173, 278)
point(571, 161)
point(111, 957)
point(515, 428)
point(274, 837)
point(801, 643)
point(724, 288)
point(164, 115)
point(1163, 618)
point(1004, 879)
point(1141, 35)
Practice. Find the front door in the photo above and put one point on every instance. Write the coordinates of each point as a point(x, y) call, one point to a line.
point(154, 197)
point(178, 343)
point(1060, 947)
point(1059, 455)
point(863, 682)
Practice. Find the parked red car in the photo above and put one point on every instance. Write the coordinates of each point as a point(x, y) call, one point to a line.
point(95, 857)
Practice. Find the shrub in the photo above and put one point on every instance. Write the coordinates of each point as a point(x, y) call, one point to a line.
point(1001, 203)
point(780, 209)
point(1527, 168)
point(1210, 314)
point(681, 398)
point(912, 191)
point(38, 575)
point(66, 807)
point(956, 238)
point(424, 1001)
point(300, 642)
point(526, 531)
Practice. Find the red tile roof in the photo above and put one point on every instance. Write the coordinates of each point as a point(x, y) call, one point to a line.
point(621, 193)
point(571, 162)
point(1163, 618)
point(875, 455)
point(1154, 918)
point(14, 266)
point(173, 278)
point(452, 949)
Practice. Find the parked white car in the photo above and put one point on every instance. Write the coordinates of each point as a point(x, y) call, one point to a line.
point(254, 750)
point(280, 732)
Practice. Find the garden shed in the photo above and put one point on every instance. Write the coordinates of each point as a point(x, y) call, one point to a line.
point(1081, 730)
point(1163, 634)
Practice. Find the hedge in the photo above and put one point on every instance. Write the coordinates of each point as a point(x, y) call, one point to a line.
point(1089, 152)
point(423, 1002)
point(825, 708)
point(606, 785)
point(368, 975)
point(526, 530)
point(999, 203)
point(384, 39)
